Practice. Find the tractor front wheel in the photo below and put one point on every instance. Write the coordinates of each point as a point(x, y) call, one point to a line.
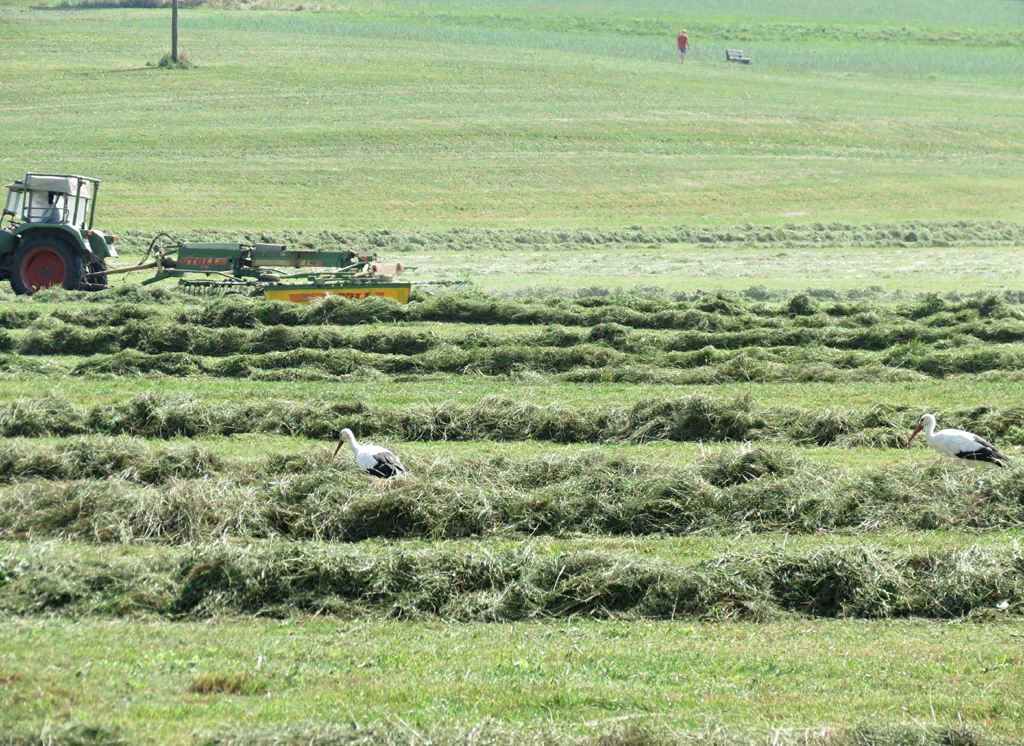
point(96, 275)
point(44, 261)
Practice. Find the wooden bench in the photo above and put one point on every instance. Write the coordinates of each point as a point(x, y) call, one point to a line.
point(736, 55)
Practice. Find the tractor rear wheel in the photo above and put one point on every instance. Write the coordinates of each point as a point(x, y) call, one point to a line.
point(44, 261)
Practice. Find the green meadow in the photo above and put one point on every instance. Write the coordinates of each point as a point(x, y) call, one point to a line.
point(655, 422)
point(416, 116)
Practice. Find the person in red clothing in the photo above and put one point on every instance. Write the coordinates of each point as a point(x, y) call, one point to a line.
point(684, 44)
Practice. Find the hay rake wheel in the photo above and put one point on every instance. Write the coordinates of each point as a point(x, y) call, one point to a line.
point(218, 288)
point(201, 291)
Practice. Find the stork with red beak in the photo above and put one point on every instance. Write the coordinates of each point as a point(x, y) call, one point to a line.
point(375, 460)
point(959, 443)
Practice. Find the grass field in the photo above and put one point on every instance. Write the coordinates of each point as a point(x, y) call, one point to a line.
point(609, 547)
point(394, 116)
point(659, 490)
point(564, 672)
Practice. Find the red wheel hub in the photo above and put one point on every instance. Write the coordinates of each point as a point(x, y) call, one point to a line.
point(42, 268)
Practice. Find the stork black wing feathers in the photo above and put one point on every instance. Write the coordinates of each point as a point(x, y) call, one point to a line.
point(387, 466)
point(987, 452)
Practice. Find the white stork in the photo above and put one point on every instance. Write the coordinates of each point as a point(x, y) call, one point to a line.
point(375, 460)
point(958, 443)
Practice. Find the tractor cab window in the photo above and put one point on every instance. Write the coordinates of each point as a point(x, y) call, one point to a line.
point(15, 199)
point(47, 207)
point(39, 204)
point(80, 206)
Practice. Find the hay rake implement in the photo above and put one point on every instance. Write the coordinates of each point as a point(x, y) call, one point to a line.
point(273, 271)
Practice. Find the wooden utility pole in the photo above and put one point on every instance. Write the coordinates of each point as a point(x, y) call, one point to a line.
point(174, 31)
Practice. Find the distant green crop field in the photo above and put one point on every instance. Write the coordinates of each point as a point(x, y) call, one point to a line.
point(424, 116)
point(983, 12)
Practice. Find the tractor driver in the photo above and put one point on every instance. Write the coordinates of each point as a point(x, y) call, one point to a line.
point(55, 212)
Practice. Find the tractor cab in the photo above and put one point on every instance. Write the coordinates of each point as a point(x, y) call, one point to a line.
point(50, 199)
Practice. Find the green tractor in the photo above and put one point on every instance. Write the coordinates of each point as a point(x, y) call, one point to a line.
point(47, 238)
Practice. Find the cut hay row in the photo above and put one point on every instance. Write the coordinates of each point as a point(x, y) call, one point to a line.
point(702, 332)
point(993, 317)
point(812, 235)
point(513, 583)
point(123, 491)
point(584, 363)
point(693, 418)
